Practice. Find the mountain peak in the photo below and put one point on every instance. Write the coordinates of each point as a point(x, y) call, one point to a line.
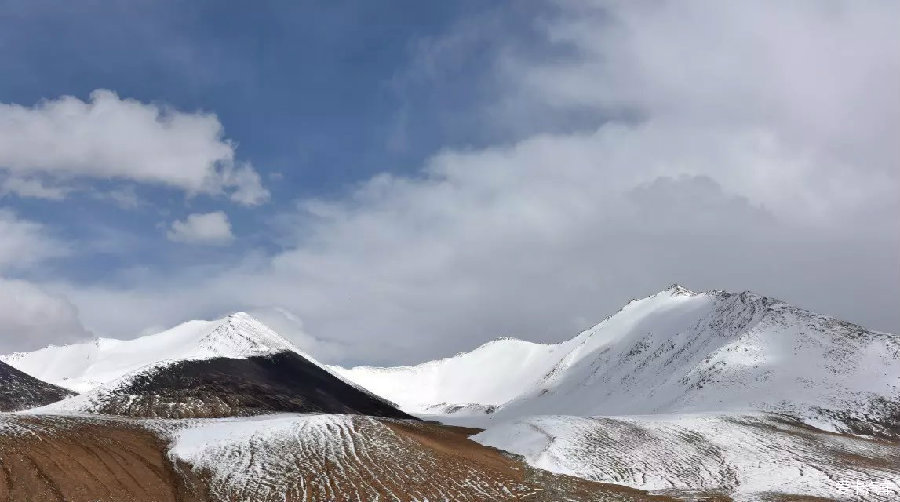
point(83, 366)
point(242, 335)
point(678, 290)
point(241, 316)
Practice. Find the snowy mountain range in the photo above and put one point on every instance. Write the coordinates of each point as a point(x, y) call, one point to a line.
point(674, 352)
point(715, 394)
point(730, 395)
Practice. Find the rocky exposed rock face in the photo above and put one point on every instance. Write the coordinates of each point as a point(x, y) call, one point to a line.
point(222, 387)
point(19, 391)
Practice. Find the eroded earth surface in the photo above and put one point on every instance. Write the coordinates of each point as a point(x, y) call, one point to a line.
point(275, 457)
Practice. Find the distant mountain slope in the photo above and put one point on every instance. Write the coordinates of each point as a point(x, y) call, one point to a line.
point(19, 391)
point(676, 351)
point(482, 379)
point(232, 367)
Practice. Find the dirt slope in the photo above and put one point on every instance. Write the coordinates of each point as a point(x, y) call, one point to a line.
point(53, 459)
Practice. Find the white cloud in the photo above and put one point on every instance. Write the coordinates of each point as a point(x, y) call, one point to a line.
point(125, 197)
point(108, 137)
point(24, 243)
point(290, 326)
point(31, 317)
point(202, 228)
point(32, 188)
point(756, 152)
point(813, 82)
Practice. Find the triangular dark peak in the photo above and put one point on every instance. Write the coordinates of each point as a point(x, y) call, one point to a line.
point(20, 391)
point(283, 382)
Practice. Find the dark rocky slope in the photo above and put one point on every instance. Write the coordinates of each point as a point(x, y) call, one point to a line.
point(19, 391)
point(221, 387)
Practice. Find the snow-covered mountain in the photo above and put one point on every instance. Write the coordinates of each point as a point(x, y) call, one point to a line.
point(231, 367)
point(83, 366)
point(696, 395)
point(19, 390)
point(674, 352)
point(473, 382)
point(716, 393)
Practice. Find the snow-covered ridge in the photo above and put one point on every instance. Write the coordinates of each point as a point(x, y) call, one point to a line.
point(83, 366)
point(490, 375)
point(746, 456)
point(673, 352)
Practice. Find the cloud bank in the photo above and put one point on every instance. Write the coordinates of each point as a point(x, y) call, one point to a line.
point(738, 145)
point(30, 316)
point(108, 137)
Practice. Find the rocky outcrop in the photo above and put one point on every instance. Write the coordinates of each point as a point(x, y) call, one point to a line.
point(223, 387)
point(19, 391)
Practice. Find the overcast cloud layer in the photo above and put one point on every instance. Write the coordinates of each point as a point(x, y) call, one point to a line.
point(733, 145)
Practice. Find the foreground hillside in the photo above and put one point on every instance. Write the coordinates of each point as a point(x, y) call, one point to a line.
point(302, 458)
point(745, 456)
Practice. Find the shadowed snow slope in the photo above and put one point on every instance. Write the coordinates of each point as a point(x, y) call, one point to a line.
point(676, 351)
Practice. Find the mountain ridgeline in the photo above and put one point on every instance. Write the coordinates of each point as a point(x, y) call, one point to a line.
point(232, 367)
point(693, 396)
point(674, 352)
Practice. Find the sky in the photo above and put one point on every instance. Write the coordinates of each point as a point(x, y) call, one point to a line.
point(389, 182)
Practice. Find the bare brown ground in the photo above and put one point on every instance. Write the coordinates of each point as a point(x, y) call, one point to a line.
point(50, 459)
